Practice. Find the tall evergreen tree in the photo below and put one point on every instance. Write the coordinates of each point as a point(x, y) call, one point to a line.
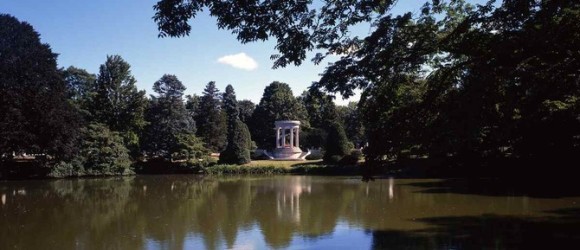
point(35, 116)
point(117, 103)
point(192, 104)
point(167, 118)
point(211, 120)
point(230, 105)
point(239, 142)
point(277, 103)
point(246, 108)
point(336, 143)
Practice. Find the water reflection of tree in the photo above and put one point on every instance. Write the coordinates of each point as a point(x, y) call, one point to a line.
point(59, 214)
point(129, 213)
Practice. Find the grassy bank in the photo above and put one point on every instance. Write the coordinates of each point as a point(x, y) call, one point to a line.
point(315, 167)
point(35, 170)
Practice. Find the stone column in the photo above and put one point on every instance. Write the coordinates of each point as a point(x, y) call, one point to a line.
point(291, 137)
point(277, 137)
point(283, 136)
point(297, 137)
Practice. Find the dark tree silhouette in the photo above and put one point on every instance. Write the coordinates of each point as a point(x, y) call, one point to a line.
point(167, 119)
point(211, 120)
point(35, 116)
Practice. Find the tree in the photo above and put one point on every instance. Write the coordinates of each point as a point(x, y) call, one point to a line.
point(483, 82)
point(210, 120)
point(35, 116)
point(239, 142)
point(320, 108)
point(297, 26)
point(322, 113)
point(167, 119)
point(336, 143)
point(81, 88)
point(117, 103)
point(189, 147)
point(313, 138)
point(230, 106)
point(103, 152)
point(246, 108)
point(277, 103)
point(353, 123)
point(192, 104)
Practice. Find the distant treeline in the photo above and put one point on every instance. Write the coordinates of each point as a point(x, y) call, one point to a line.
point(490, 89)
point(78, 123)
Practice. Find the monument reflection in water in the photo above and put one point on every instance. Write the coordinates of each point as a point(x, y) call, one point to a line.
point(188, 212)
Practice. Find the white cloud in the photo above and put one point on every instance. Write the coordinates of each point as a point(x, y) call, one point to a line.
point(240, 61)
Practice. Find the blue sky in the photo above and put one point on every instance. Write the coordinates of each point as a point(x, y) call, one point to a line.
point(83, 33)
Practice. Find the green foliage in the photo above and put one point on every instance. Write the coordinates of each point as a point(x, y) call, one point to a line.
point(189, 147)
point(117, 102)
point(313, 138)
point(313, 169)
point(333, 159)
point(352, 158)
point(81, 89)
point(350, 116)
point(452, 80)
point(239, 139)
point(35, 116)
point(297, 26)
point(245, 170)
point(393, 121)
point(238, 149)
point(277, 103)
point(336, 144)
point(101, 152)
point(211, 120)
point(192, 104)
point(324, 169)
point(246, 108)
point(168, 121)
point(67, 169)
point(320, 108)
point(230, 106)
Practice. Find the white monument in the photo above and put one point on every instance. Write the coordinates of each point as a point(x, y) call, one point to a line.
point(287, 141)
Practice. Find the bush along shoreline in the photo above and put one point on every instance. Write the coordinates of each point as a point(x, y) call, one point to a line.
point(23, 171)
point(308, 169)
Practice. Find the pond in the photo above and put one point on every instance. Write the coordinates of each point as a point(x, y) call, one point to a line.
point(282, 212)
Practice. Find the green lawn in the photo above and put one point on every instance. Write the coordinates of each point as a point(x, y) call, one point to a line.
point(284, 164)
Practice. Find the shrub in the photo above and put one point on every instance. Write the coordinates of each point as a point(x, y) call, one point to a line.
point(336, 143)
point(314, 156)
point(66, 169)
point(333, 159)
point(239, 145)
point(102, 152)
point(243, 169)
point(201, 162)
point(352, 158)
point(313, 137)
point(189, 147)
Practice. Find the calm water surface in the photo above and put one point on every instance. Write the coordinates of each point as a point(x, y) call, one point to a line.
point(294, 212)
